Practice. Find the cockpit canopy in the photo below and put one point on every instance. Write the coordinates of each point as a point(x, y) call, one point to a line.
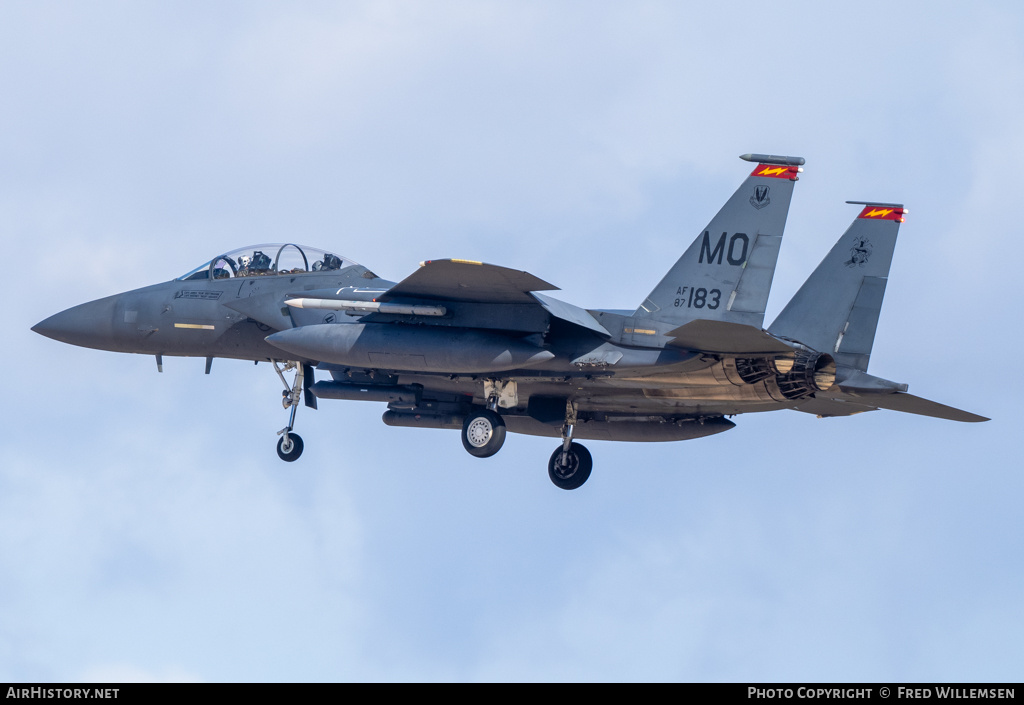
point(266, 260)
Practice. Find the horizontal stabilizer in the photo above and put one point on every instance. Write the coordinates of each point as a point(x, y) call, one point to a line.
point(464, 280)
point(727, 338)
point(910, 404)
point(847, 404)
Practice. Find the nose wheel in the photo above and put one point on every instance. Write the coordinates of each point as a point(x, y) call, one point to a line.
point(289, 446)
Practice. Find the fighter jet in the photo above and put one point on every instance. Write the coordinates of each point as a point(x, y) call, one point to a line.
point(475, 347)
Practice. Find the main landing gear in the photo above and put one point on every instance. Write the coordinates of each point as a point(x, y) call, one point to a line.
point(570, 467)
point(290, 445)
point(483, 433)
point(570, 464)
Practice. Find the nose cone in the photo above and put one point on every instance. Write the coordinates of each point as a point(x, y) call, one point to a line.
point(304, 342)
point(88, 325)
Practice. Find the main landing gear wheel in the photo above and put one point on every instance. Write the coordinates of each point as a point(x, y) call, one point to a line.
point(483, 433)
point(572, 471)
point(289, 448)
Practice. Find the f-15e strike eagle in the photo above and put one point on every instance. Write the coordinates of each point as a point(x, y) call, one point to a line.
point(466, 345)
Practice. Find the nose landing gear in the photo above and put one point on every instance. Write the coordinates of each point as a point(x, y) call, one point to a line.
point(290, 445)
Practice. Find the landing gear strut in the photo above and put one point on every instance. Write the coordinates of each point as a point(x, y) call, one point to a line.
point(289, 447)
point(570, 464)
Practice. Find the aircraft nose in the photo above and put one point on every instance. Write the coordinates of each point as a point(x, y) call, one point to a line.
point(88, 325)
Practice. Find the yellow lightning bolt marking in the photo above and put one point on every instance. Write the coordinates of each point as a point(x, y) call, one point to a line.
point(771, 171)
point(878, 213)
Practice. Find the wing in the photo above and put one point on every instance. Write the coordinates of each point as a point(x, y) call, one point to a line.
point(465, 280)
point(459, 293)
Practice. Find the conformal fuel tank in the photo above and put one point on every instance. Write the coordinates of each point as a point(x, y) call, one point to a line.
point(419, 349)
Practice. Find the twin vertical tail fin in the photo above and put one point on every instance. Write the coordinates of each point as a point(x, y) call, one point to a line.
point(726, 273)
point(836, 310)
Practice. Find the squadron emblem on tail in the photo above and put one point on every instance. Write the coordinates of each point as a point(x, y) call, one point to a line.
point(760, 198)
point(859, 253)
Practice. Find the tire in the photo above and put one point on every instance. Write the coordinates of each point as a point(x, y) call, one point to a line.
point(576, 472)
point(483, 433)
point(294, 450)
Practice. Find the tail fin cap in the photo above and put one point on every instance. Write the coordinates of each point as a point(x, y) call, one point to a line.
point(773, 159)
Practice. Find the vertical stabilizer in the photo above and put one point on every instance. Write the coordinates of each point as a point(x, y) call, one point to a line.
point(836, 310)
point(726, 273)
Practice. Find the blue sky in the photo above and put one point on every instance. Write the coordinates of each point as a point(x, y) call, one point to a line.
point(148, 530)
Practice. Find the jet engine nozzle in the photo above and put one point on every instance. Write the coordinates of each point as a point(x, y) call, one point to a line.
point(811, 372)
